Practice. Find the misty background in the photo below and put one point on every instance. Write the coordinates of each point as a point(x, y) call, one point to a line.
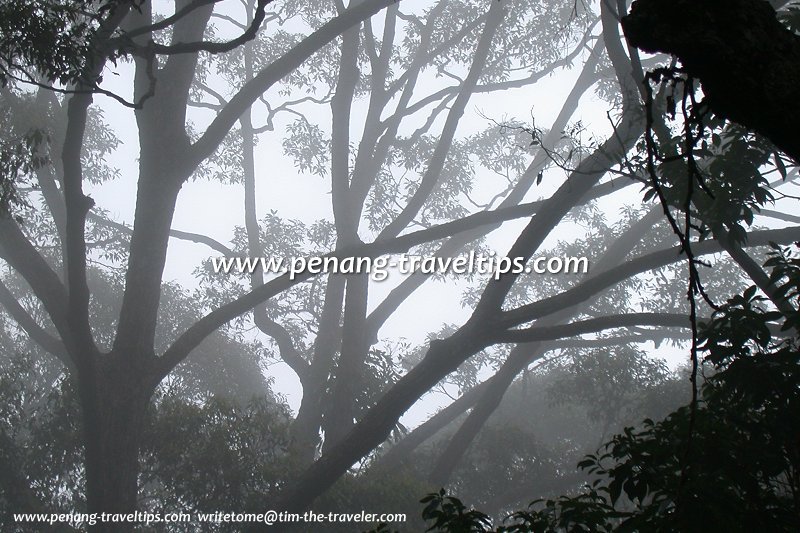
point(132, 374)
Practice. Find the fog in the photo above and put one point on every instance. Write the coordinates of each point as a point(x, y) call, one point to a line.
point(137, 376)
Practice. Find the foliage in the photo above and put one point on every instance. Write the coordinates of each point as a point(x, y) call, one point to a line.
point(215, 455)
point(198, 456)
point(17, 158)
point(376, 117)
point(548, 420)
point(733, 464)
point(20, 149)
point(609, 383)
point(449, 514)
point(52, 39)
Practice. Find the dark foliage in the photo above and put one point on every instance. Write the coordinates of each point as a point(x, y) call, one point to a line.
point(737, 470)
point(52, 40)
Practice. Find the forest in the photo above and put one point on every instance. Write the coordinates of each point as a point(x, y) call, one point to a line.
point(576, 305)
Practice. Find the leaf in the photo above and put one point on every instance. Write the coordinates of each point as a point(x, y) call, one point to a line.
point(779, 165)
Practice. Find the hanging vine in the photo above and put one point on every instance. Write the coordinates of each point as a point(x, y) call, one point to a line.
point(693, 114)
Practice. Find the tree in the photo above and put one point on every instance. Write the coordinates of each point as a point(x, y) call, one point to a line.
point(730, 461)
point(645, 481)
point(404, 184)
point(571, 402)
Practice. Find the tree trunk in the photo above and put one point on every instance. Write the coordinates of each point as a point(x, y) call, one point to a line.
point(306, 426)
point(114, 404)
point(341, 410)
point(747, 62)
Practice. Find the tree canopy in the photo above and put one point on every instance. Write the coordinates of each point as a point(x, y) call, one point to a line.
point(137, 375)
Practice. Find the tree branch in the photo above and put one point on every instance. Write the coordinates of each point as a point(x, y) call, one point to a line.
point(592, 325)
point(271, 74)
point(18, 252)
point(598, 282)
point(409, 285)
point(177, 48)
point(523, 354)
point(174, 233)
point(208, 324)
point(589, 171)
point(36, 332)
point(433, 171)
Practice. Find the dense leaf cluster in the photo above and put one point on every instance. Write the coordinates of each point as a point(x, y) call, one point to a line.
point(50, 40)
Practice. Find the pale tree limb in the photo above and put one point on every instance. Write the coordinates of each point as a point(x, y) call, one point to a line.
point(436, 163)
point(271, 74)
point(37, 333)
point(522, 355)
